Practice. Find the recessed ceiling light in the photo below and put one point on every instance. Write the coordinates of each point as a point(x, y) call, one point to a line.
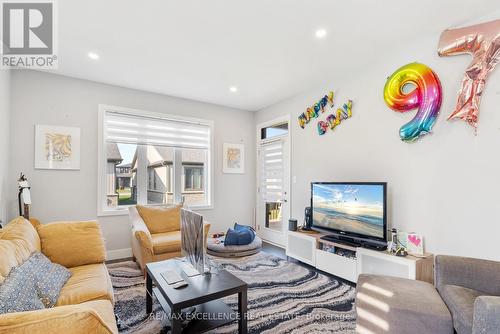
point(233, 89)
point(93, 55)
point(320, 33)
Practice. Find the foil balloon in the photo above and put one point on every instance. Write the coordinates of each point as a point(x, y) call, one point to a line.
point(322, 127)
point(426, 97)
point(314, 111)
point(482, 42)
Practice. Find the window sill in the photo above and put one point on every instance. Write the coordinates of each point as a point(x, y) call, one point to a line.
point(124, 211)
point(200, 207)
point(109, 213)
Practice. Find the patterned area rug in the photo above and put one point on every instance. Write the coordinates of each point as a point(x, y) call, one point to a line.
point(283, 297)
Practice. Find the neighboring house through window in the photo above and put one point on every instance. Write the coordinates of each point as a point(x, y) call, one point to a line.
point(153, 159)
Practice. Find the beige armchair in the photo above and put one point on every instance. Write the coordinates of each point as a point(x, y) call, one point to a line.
point(151, 244)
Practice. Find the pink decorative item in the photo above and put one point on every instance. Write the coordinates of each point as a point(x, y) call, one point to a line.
point(415, 244)
point(482, 42)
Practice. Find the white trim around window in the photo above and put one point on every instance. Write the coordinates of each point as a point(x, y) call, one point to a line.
point(102, 162)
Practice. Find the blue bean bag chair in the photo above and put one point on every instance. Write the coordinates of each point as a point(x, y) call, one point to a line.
point(242, 242)
point(239, 235)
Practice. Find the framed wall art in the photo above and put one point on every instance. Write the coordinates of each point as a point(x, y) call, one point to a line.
point(233, 158)
point(57, 147)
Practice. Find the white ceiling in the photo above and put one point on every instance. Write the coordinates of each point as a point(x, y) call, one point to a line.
point(267, 48)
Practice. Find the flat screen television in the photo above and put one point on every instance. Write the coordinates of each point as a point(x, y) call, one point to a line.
point(353, 209)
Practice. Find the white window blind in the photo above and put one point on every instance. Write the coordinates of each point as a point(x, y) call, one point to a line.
point(271, 171)
point(146, 130)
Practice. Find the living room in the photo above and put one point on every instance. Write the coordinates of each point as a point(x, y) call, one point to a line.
point(331, 166)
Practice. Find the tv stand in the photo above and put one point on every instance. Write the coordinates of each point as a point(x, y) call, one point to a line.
point(341, 240)
point(342, 258)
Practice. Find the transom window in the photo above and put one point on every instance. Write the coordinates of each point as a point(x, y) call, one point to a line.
point(153, 159)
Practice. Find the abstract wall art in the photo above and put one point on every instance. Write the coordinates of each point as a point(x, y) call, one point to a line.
point(57, 147)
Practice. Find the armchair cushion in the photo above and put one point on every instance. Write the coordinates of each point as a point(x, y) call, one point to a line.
point(167, 242)
point(161, 219)
point(73, 244)
point(460, 302)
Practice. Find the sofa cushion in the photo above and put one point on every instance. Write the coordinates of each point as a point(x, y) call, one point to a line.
point(72, 244)
point(94, 317)
point(167, 242)
point(18, 292)
point(460, 301)
point(161, 219)
point(18, 240)
point(88, 282)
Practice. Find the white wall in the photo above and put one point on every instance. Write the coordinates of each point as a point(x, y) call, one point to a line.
point(4, 141)
point(41, 98)
point(444, 186)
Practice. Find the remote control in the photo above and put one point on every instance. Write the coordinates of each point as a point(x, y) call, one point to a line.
point(180, 284)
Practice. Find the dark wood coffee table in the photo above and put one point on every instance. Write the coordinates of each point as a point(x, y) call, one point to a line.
point(203, 292)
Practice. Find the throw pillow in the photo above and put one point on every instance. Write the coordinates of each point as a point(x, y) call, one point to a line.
point(34, 285)
point(18, 293)
point(161, 220)
point(50, 278)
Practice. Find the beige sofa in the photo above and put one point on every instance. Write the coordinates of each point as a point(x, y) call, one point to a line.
point(151, 245)
point(85, 304)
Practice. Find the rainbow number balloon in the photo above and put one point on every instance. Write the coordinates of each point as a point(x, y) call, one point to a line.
point(426, 97)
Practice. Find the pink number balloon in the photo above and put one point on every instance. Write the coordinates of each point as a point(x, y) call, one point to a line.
point(482, 41)
point(426, 97)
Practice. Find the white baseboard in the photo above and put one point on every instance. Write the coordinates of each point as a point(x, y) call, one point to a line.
point(115, 254)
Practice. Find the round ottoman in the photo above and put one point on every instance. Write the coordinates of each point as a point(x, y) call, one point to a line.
point(219, 249)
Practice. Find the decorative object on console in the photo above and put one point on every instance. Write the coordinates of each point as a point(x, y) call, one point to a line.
point(313, 112)
point(24, 196)
point(426, 97)
point(307, 219)
point(482, 42)
point(57, 147)
point(392, 246)
point(233, 158)
point(415, 244)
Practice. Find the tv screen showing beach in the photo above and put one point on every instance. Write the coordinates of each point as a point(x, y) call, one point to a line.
point(349, 208)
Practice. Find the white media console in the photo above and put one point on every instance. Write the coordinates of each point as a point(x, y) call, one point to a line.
point(349, 262)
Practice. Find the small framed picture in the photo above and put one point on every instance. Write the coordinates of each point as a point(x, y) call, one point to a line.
point(415, 244)
point(57, 147)
point(233, 158)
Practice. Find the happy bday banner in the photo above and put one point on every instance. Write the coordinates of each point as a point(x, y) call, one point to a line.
point(313, 112)
point(332, 120)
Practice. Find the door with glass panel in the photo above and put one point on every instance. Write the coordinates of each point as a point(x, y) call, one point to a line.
point(273, 208)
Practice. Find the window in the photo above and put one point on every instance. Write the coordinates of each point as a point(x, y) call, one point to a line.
point(193, 178)
point(152, 159)
point(274, 131)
